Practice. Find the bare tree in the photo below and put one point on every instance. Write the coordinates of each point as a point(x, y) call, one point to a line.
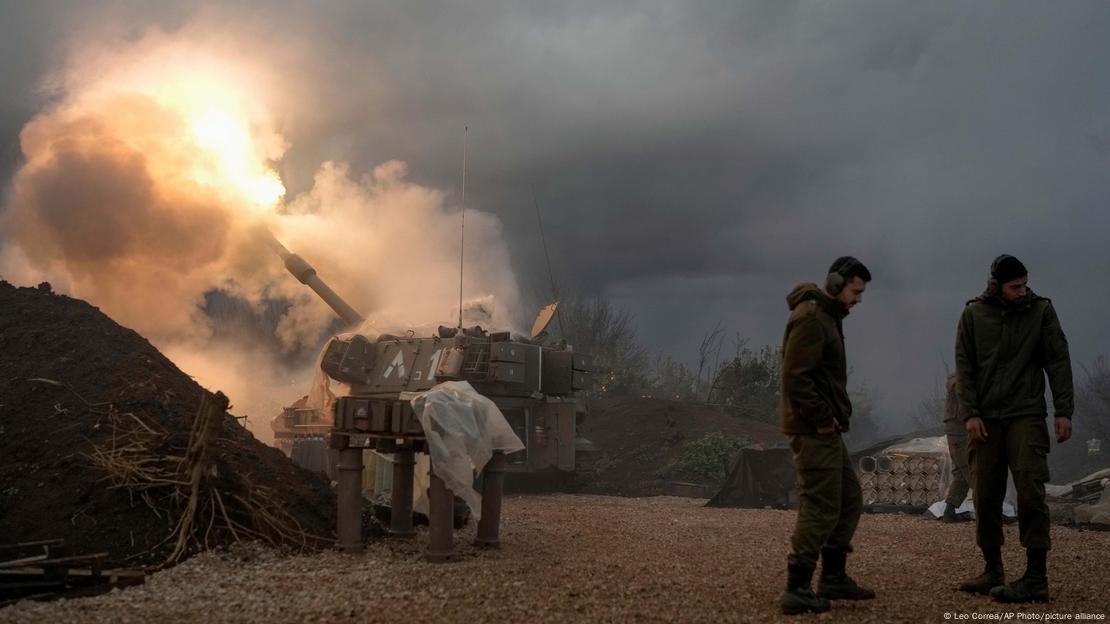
point(749, 383)
point(597, 327)
point(930, 411)
point(710, 343)
point(1092, 405)
point(866, 428)
point(1093, 398)
point(1091, 421)
point(672, 379)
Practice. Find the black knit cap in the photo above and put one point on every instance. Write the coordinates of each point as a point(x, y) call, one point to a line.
point(1007, 268)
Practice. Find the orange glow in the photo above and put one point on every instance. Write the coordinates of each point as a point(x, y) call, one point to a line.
point(236, 163)
point(207, 119)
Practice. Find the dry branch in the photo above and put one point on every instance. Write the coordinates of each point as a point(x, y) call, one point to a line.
point(137, 457)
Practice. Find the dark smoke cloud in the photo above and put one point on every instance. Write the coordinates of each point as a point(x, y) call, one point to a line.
point(694, 161)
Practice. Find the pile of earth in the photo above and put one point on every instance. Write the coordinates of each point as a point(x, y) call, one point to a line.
point(636, 437)
point(69, 377)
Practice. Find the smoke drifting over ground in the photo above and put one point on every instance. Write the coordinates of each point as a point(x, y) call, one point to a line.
point(145, 187)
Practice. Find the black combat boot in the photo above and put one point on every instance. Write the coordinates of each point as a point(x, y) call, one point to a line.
point(799, 596)
point(835, 584)
point(949, 514)
point(993, 574)
point(1032, 586)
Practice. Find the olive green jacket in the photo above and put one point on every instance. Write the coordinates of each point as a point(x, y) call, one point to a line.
point(951, 401)
point(953, 415)
point(1002, 355)
point(814, 386)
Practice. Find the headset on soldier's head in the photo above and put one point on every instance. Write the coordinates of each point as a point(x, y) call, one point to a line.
point(838, 274)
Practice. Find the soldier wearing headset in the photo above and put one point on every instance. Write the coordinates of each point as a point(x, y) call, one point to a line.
point(814, 409)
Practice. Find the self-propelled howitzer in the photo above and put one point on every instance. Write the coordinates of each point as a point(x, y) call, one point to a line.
point(533, 384)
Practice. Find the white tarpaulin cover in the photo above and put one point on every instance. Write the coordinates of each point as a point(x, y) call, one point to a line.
point(939, 445)
point(1099, 511)
point(935, 444)
point(1096, 513)
point(463, 428)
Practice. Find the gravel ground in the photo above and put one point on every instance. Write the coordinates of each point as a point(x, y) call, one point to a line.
point(594, 558)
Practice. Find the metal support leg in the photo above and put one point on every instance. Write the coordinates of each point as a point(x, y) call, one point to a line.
point(493, 485)
point(440, 529)
point(349, 500)
point(400, 514)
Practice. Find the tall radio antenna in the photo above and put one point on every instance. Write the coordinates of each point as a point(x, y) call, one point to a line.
point(547, 257)
point(462, 227)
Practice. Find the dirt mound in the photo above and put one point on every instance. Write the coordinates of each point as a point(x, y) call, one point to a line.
point(71, 382)
point(636, 437)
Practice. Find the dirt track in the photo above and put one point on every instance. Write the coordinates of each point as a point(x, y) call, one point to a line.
point(592, 558)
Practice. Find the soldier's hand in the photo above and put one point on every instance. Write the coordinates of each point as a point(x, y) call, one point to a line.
point(1063, 429)
point(827, 429)
point(976, 429)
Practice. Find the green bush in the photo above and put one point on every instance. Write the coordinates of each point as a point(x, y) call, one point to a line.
point(705, 459)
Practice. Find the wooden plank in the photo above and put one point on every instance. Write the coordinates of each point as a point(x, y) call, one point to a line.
point(11, 585)
point(19, 572)
point(21, 546)
point(120, 573)
point(75, 559)
point(18, 563)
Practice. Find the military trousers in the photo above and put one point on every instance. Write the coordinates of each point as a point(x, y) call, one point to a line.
point(830, 497)
point(961, 471)
point(1018, 445)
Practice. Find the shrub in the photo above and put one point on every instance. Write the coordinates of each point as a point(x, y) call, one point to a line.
point(705, 459)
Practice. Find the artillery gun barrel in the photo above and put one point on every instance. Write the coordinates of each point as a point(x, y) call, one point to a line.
point(306, 275)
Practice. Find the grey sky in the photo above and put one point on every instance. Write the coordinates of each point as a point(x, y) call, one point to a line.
point(695, 160)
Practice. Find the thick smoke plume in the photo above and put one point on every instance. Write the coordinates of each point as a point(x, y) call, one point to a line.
point(145, 185)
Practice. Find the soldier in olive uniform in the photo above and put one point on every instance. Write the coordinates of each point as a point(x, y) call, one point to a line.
point(957, 450)
point(1008, 340)
point(814, 410)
